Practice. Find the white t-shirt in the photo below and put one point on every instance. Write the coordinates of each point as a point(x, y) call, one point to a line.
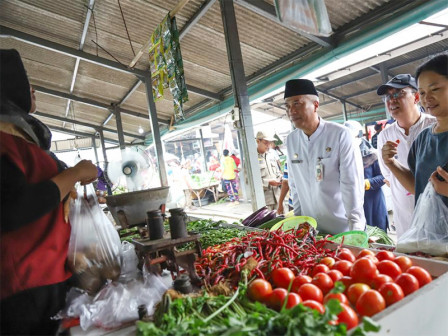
point(336, 201)
point(402, 200)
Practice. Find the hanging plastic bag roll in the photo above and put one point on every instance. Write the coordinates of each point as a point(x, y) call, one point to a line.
point(94, 253)
point(429, 229)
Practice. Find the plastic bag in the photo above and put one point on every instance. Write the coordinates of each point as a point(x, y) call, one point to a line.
point(429, 229)
point(117, 303)
point(94, 252)
point(129, 262)
point(308, 15)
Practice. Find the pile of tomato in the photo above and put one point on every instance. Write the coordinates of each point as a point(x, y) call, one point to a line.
point(372, 282)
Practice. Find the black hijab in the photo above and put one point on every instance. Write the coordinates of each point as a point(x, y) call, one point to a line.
point(15, 99)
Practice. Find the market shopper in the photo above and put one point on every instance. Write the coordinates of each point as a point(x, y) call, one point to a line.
point(270, 172)
point(283, 192)
point(229, 177)
point(429, 151)
point(375, 209)
point(402, 101)
point(33, 184)
point(324, 164)
point(378, 129)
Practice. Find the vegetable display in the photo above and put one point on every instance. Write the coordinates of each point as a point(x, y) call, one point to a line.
point(268, 250)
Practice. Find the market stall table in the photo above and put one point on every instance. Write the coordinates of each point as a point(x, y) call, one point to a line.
point(200, 191)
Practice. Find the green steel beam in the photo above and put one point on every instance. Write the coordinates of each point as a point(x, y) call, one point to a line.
point(324, 57)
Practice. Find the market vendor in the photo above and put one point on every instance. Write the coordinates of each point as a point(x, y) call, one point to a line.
point(271, 176)
point(324, 164)
point(34, 234)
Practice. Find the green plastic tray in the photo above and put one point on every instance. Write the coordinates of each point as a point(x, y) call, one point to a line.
point(353, 238)
point(292, 222)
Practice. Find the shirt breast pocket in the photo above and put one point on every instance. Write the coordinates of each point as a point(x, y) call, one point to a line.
point(330, 167)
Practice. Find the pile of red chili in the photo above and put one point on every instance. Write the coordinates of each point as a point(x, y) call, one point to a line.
point(271, 250)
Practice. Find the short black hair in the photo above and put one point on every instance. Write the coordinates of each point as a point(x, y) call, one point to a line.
point(437, 64)
point(225, 152)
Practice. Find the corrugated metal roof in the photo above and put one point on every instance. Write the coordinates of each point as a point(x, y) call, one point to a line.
point(264, 44)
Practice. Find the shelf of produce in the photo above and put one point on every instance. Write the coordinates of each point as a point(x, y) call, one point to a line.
point(424, 312)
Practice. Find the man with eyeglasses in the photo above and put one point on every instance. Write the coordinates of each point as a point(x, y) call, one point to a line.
point(402, 101)
point(271, 176)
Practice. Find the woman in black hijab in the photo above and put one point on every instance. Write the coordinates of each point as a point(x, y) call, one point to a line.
point(34, 236)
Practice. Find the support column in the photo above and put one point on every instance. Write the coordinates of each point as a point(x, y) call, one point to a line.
point(201, 146)
point(155, 130)
point(95, 150)
point(117, 114)
point(242, 176)
point(239, 86)
point(384, 79)
point(344, 110)
point(103, 146)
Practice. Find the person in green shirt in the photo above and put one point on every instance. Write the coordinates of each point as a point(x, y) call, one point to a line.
point(229, 177)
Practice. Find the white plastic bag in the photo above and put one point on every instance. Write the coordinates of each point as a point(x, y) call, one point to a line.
point(308, 15)
point(117, 303)
point(94, 253)
point(129, 262)
point(429, 229)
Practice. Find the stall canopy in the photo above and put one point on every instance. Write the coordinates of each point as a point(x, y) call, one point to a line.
point(77, 55)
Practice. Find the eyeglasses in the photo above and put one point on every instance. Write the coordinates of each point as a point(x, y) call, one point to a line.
point(395, 95)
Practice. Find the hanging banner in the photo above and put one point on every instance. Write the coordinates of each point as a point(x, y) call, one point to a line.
point(308, 15)
point(167, 67)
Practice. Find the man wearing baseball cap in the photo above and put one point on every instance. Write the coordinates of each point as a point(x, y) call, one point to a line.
point(270, 172)
point(402, 101)
point(326, 176)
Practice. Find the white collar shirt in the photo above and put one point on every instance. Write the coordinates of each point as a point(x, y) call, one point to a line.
point(336, 201)
point(402, 200)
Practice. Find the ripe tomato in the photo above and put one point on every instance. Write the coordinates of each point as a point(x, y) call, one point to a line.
point(363, 270)
point(389, 268)
point(348, 316)
point(343, 266)
point(347, 281)
point(309, 291)
point(282, 277)
point(314, 305)
point(346, 254)
point(385, 255)
point(277, 297)
point(408, 283)
point(370, 303)
point(323, 281)
point(364, 253)
point(355, 291)
point(293, 299)
point(320, 268)
point(422, 275)
point(379, 281)
point(337, 296)
point(329, 261)
point(335, 275)
point(299, 281)
point(373, 258)
point(404, 262)
point(391, 293)
point(259, 290)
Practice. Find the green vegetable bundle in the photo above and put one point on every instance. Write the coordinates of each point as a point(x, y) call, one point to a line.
point(373, 231)
point(221, 315)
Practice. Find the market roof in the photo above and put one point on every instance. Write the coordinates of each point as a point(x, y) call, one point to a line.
point(76, 54)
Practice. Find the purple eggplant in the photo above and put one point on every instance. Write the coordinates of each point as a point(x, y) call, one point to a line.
point(267, 217)
point(257, 214)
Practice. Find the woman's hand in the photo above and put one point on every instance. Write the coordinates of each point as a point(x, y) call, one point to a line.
point(441, 187)
point(86, 171)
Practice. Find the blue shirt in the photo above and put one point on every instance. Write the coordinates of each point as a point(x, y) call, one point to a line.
point(428, 151)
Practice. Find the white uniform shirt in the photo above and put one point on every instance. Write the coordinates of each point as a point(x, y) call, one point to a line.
point(402, 200)
point(336, 202)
